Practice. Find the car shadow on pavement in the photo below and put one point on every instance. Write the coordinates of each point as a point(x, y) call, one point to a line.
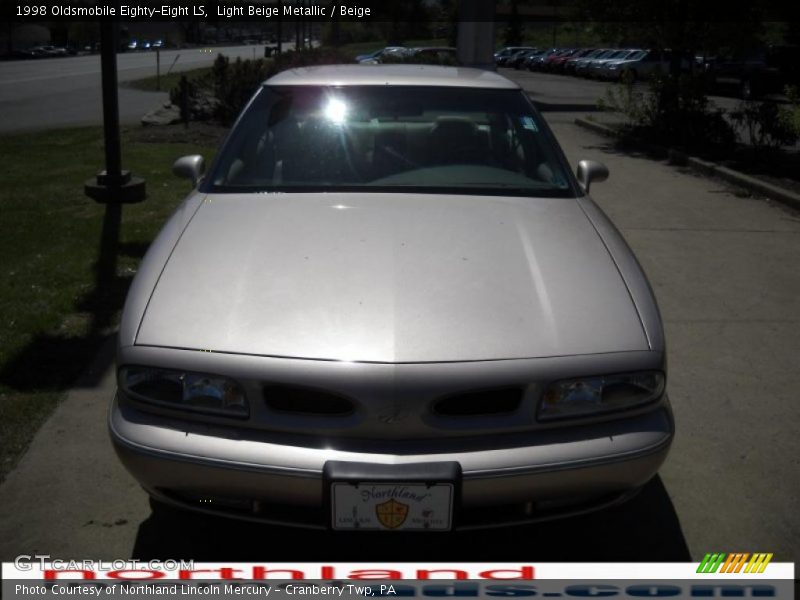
point(644, 529)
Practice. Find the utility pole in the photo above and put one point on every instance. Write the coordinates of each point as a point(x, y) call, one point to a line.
point(113, 186)
point(476, 34)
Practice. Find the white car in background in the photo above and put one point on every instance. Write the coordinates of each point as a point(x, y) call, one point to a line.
point(582, 64)
point(595, 67)
point(379, 56)
point(640, 65)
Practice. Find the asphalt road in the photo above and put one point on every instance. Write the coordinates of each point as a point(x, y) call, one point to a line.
point(724, 269)
point(63, 92)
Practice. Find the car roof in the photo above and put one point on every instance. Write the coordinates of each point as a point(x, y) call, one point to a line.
point(421, 75)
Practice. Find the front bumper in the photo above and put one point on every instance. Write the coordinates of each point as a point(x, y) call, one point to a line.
point(536, 476)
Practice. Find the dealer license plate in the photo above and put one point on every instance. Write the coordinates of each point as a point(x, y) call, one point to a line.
point(392, 506)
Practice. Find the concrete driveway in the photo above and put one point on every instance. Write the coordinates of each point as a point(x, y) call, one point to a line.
point(725, 270)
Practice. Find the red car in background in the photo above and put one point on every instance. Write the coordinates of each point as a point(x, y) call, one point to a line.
point(551, 62)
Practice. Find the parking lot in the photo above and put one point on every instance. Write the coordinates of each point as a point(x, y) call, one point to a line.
point(567, 92)
point(724, 269)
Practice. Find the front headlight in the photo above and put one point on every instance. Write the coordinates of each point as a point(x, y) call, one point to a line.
point(595, 395)
point(185, 390)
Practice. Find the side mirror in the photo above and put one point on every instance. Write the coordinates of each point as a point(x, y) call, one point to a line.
point(191, 167)
point(589, 171)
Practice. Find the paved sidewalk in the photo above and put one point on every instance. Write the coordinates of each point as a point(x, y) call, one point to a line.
point(726, 273)
point(69, 497)
point(725, 270)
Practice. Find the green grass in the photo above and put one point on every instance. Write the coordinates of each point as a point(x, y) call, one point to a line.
point(167, 82)
point(49, 238)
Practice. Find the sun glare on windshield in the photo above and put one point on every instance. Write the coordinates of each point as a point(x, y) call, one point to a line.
point(336, 111)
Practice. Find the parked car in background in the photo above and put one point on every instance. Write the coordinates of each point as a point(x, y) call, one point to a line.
point(642, 64)
point(529, 58)
point(520, 59)
point(558, 64)
point(440, 55)
point(537, 63)
point(504, 54)
point(633, 66)
point(567, 65)
point(48, 51)
point(25, 53)
point(595, 66)
point(582, 65)
point(572, 63)
point(551, 63)
point(376, 56)
point(390, 306)
point(510, 59)
point(369, 55)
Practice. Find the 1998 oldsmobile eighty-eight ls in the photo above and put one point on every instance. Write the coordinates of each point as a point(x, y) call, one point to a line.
point(390, 305)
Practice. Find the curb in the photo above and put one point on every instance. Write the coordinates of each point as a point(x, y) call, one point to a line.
point(596, 127)
point(773, 192)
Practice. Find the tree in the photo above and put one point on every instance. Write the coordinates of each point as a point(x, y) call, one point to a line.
point(190, 30)
point(513, 35)
point(448, 21)
point(682, 26)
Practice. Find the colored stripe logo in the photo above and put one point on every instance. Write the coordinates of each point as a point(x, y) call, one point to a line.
point(739, 562)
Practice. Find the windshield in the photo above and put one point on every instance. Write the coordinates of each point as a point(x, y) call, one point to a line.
point(391, 138)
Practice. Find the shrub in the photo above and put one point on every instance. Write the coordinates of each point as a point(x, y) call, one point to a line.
point(234, 84)
point(348, 33)
point(424, 58)
point(673, 111)
point(231, 84)
point(791, 115)
point(768, 125)
point(188, 89)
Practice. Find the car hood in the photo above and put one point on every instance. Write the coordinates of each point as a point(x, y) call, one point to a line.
point(391, 278)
